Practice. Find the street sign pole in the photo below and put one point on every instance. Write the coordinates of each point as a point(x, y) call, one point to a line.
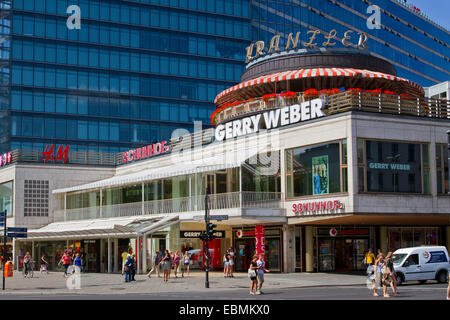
point(206, 237)
point(4, 249)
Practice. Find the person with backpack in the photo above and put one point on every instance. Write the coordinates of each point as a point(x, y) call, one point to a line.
point(126, 270)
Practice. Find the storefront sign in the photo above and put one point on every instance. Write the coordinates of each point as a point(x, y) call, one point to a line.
point(5, 159)
point(389, 166)
point(318, 206)
point(145, 152)
point(271, 119)
point(196, 234)
point(259, 46)
point(260, 240)
point(335, 232)
point(49, 154)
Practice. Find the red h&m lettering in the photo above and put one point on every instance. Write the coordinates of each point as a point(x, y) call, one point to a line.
point(62, 155)
point(47, 155)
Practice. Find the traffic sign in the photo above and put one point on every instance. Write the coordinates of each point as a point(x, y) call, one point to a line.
point(18, 230)
point(218, 218)
point(17, 235)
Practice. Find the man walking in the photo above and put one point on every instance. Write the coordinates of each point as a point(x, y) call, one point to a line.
point(83, 260)
point(261, 269)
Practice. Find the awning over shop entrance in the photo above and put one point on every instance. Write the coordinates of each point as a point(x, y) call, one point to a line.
point(214, 157)
point(98, 228)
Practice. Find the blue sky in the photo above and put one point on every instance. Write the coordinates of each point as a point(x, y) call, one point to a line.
point(437, 10)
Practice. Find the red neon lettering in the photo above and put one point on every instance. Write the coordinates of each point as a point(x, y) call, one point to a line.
point(1, 160)
point(329, 205)
point(336, 203)
point(62, 155)
point(8, 158)
point(157, 148)
point(164, 148)
point(130, 155)
point(294, 206)
point(150, 150)
point(125, 157)
point(138, 153)
point(144, 152)
point(48, 154)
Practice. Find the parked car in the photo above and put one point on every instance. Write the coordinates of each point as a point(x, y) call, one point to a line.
point(421, 264)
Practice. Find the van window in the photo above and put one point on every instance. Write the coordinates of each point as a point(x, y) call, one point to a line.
point(413, 259)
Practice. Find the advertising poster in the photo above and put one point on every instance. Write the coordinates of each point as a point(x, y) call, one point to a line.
point(320, 178)
point(260, 239)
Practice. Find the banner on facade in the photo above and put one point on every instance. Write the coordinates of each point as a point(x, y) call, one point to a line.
point(196, 234)
point(260, 240)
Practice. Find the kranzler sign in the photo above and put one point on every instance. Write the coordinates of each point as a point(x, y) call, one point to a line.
point(271, 119)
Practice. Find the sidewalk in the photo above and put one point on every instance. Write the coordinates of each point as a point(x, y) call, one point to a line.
point(96, 283)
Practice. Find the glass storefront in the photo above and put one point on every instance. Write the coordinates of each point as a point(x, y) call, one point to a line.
point(316, 170)
point(343, 252)
point(386, 166)
point(442, 168)
point(6, 197)
point(404, 237)
point(244, 247)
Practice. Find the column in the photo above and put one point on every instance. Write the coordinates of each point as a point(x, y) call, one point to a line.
point(102, 253)
point(309, 250)
point(447, 234)
point(289, 248)
point(116, 255)
point(109, 256)
point(383, 241)
point(138, 255)
point(240, 187)
point(65, 206)
point(101, 203)
point(143, 200)
point(144, 253)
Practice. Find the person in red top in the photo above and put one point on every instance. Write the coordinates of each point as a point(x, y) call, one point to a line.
point(65, 260)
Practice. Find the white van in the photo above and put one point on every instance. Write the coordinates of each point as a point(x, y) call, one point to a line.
point(421, 264)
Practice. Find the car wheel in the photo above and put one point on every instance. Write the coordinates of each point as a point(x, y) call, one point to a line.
point(400, 279)
point(441, 277)
point(422, 281)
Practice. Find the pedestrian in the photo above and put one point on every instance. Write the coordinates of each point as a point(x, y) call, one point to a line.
point(226, 263)
point(65, 260)
point(231, 262)
point(166, 265)
point(170, 262)
point(176, 262)
point(261, 270)
point(133, 267)
point(83, 257)
point(369, 258)
point(155, 264)
point(379, 263)
point(77, 262)
point(124, 256)
point(44, 264)
point(252, 273)
point(126, 268)
point(27, 260)
point(392, 275)
point(186, 260)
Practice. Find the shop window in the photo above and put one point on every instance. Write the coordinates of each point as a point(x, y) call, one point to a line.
point(442, 168)
point(316, 170)
point(6, 198)
point(393, 167)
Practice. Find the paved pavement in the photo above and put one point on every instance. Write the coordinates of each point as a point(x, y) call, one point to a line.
point(303, 286)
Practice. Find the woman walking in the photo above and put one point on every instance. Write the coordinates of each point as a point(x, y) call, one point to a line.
point(166, 265)
point(44, 264)
point(378, 275)
point(65, 260)
point(252, 273)
point(231, 262)
point(176, 262)
point(186, 259)
point(226, 264)
point(392, 274)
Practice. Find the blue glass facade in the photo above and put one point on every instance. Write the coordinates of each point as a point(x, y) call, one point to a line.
point(133, 72)
point(418, 48)
point(137, 70)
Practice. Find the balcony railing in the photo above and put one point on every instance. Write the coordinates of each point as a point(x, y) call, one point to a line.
point(268, 200)
point(350, 100)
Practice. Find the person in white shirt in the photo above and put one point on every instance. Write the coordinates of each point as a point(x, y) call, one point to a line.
point(261, 269)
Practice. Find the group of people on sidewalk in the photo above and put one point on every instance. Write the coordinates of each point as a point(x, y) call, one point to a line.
point(256, 273)
point(166, 261)
point(228, 263)
point(381, 271)
point(70, 261)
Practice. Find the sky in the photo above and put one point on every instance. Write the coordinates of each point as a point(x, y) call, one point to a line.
point(436, 10)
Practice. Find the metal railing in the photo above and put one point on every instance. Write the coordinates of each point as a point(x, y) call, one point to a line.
point(349, 100)
point(268, 200)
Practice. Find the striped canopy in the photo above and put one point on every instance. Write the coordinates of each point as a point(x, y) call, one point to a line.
point(255, 87)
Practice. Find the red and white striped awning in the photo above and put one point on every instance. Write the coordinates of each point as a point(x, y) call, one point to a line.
point(311, 73)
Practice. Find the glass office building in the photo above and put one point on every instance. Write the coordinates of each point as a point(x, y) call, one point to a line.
point(136, 70)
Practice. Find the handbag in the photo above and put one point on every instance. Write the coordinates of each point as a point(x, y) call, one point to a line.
point(251, 273)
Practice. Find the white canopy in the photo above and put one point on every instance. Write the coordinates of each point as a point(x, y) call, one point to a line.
point(211, 158)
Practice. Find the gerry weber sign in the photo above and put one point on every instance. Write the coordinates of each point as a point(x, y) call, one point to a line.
point(271, 119)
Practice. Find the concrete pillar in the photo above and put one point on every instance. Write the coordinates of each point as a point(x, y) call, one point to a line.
point(138, 255)
point(447, 234)
point(289, 249)
point(383, 240)
point(143, 200)
point(116, 255)
point(101, 203)
point(102, 253)
point(109, 256)
point(309, 248)
point(144, 253)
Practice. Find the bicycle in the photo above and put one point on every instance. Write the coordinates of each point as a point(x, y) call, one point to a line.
point(29, 270)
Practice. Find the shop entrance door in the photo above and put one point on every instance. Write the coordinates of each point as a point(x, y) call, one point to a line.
point(344, 255)
point(244, 251)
